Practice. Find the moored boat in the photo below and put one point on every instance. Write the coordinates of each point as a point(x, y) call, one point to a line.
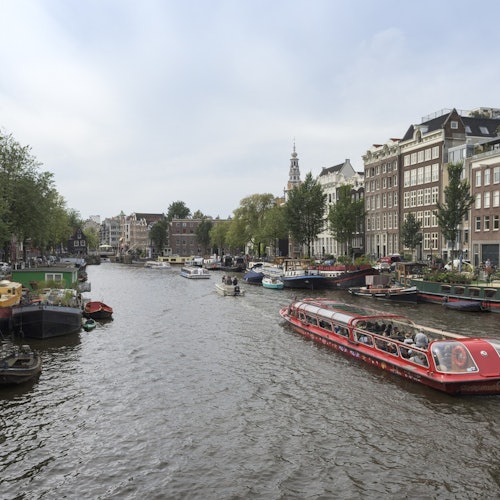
point(54, 312)
point(486, 294)
point(296, 275)
point(18, 364)
point(466, 305)
point(253, 277)
point(96, 309)
point(272, 282)
point(194, 272)
point(395, 293)
point(448, 362)
point(89, 324)
point(10, 295)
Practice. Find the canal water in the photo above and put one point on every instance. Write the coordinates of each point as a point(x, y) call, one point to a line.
point(187, 394)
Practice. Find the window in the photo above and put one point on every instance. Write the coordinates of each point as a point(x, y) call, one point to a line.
point(427, 173)
point(484, 130)
point(477, 204)
point(487, 199)
point(487, 174)
point(420, 156)
point(413, 158)
point(406, 161)
point(495, 223)
point(53, 277)
point(496, 175)
point(478, 223)
point(486, 223)
point(454, 124)
point(478, 178)
point(435, 172)
point(413, 177)
point(496, 198)
point(435, 152)
point(427, 154)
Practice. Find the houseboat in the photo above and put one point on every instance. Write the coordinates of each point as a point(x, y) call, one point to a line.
point(194, 272)
point(448, 362)
point(483, 296)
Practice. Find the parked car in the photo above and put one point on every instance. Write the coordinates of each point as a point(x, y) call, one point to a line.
point(466, 265)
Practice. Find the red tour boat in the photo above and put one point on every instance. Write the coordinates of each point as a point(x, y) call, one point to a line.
point(448, 362)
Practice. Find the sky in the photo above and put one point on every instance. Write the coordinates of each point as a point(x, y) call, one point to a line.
point(134, 105)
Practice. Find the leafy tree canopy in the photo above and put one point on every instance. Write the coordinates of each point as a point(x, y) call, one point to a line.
point(178, 210)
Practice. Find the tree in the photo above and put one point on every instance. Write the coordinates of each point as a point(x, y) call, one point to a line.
point(249, 219)
point(411, 235)
point(304, 212)
point(202, 232)
point(158, 234)
point(178, 210)
point(274, 227)
point(346, 217)
point(457, 202)
point(218, 235)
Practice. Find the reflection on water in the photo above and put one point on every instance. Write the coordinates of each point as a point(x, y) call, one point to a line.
point(187, 394)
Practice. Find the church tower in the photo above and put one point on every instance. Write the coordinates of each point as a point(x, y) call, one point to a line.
point(294, 174)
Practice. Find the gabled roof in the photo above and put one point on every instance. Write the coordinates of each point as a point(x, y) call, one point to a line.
point(342, 168)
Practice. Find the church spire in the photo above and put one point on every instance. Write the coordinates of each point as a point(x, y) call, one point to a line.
point(294, 174)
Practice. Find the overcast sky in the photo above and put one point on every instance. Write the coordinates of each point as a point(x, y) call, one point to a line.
point(133, 105)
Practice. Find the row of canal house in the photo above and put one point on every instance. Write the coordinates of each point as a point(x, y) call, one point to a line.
point(401, 176)
point(408, 175)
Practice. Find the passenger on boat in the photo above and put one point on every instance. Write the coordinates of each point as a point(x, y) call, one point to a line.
point(388, 330)
point(235, 280)
point(396, 334)
point(229, 281)
point(421, 340)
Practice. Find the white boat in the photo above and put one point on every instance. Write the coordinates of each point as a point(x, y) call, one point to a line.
point(272, 282)
point(157, 264)
point(231, 290)
point(194, 272)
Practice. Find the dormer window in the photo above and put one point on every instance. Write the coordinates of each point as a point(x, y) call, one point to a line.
point(454, 124)
point(484, 130)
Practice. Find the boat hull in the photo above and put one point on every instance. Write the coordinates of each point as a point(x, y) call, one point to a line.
point(229, 290)
point(439, 293)
point(42, 321)
point(98, 310)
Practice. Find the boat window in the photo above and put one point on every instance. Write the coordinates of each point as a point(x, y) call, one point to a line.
point(325, 324)
point(446, 288)
point(385, 345)
point(341, 330)
point(418, 357)
point(459, 290)
point(364, 338)
point(452, 356)
point(311, 320)
point(474, 292)
point(490, 292)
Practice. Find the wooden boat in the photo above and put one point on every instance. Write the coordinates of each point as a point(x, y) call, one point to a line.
point(272, 282)
point(18, 364)
point(89, 324)
point(445, 361)
point(10, 295)
point(396, 293)
point(195, 272)
point(231, 290)
point(97, 310)
point(54, 312)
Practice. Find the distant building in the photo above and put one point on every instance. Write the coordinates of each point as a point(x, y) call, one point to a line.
point(77, 243)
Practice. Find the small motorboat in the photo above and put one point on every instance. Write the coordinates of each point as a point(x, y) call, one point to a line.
point(272, 282)
point(89, 324)
point(231, 290)
point(97, 310)
point(18, 364)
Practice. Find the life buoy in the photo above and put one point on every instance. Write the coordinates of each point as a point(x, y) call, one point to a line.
point(459, 356)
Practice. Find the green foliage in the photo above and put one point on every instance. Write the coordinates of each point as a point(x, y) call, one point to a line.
point(158, 234)
point(218, 235)
point(442, 276)
point(346, 216)
point(178, 210)
point(203, 233)
point(411, 234)
point(304, 212)
point(458, 201)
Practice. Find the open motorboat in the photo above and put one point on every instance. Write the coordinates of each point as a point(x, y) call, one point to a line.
point(272, 282)
point(18, 363)
point(448, 362)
